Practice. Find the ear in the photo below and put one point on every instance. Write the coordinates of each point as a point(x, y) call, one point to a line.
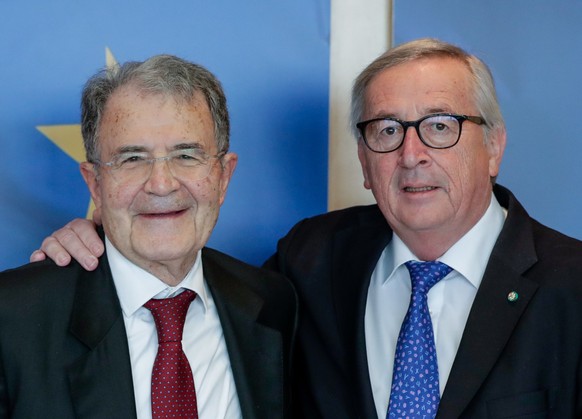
point(89, 173)
point(363, 157)
point(229, 161)
point(496, 147)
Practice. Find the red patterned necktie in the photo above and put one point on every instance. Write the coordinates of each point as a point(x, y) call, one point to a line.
point(173, 393)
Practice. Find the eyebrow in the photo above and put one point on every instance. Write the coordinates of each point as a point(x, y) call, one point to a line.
point(188, 146)
point(143, 149)
point(438, 110)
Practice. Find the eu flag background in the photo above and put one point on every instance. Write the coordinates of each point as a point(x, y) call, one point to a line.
point(272, 58)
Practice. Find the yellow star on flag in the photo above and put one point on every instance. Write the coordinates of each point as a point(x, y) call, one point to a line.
point(68, 137)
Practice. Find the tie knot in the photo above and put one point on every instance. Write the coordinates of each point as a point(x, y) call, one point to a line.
point(423, 275)
point(170, 314)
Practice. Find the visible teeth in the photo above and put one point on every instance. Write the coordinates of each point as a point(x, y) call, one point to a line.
point(423, 189)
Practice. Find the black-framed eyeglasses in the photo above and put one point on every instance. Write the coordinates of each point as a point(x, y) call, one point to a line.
point(439, 130)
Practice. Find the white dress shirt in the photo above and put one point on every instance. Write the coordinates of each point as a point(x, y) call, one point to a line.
point(449, 301)
point(203, 340)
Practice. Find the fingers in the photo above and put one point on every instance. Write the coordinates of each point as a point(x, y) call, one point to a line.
point(37, 256)
point(79, 240)
point(84, 230)
point(52, 249)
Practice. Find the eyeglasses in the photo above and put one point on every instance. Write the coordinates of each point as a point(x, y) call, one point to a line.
point(440, 130)
point(136, 167)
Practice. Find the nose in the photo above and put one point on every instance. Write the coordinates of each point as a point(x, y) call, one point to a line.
point(161, 180)
point(413, 151)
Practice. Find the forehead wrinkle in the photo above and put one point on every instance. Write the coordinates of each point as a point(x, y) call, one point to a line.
point(383, 114)
point(447, 95)
point(437, 109)
point(422, 113)
point(426, 104)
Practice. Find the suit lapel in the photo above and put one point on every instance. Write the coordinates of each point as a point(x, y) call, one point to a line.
point(356, 252)
point(493, 317)
point(255, 350)
point(101, 381)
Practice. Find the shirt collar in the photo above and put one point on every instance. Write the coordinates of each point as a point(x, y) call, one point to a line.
point(468, 256)
point(135, 286)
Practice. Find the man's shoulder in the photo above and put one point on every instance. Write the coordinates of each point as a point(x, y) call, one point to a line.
point(236, 283)
point(545, 255)
point(38, 274)
point(349, 215)
point(37, 293)
point(216, 258)
point(543, 236)
point(356, 217)
point(551, 243)
point(218, 264)
point(311, 243)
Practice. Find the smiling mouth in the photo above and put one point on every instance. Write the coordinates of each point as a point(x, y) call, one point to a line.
point(422, 189)
point(162, 214)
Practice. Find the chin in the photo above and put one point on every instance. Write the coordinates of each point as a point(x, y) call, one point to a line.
point(166, 256)
point(420, 223)
point(163, 247)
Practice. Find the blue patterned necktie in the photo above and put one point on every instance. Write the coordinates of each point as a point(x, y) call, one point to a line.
point(415, 380)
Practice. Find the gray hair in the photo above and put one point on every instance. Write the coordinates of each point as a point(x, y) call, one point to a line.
point(160, 74)
point(483, 85)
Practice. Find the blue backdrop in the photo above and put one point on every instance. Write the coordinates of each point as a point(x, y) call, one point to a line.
point(272, 58)
point(534, 49)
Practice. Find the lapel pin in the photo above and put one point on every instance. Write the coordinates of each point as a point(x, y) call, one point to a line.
point(512, 297)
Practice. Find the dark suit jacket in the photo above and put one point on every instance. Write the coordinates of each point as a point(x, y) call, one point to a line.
point(64, 351)
point(519, 359)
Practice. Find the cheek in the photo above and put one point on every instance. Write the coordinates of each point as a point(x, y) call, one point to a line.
point(468, 172)
point(206, 192)
point(381, 172)
point(204, 201)
point(119, 197)
point(202, 191)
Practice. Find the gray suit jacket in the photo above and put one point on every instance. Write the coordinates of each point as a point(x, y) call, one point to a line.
point(64, 351)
